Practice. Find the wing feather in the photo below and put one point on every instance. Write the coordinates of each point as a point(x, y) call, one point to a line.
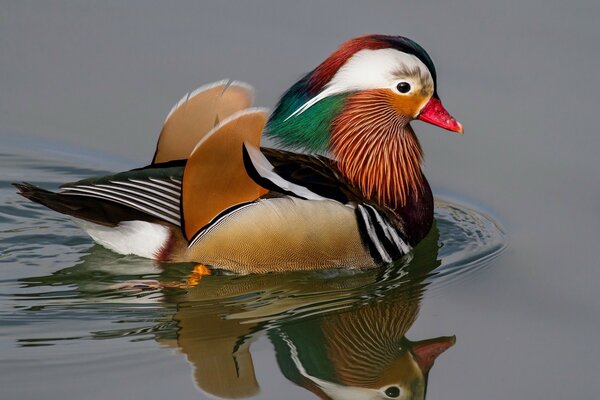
point(196, 114)
point(151, 191)
point(302, 175)
point(214, 178)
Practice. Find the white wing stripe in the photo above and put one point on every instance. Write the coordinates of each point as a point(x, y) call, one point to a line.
point(134, 201)
point(120, 190)
point(133, 198)
point(150, 184)
point(265, 169)
point(76, 191)
point(164, 193)
point(169, 184)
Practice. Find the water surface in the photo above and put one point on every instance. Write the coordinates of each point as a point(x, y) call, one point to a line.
point(520, 75)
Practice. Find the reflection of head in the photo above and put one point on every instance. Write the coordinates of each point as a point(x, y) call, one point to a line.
point(359, 354)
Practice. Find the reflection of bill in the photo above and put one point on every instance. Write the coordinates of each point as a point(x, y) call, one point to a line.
point(340, 336)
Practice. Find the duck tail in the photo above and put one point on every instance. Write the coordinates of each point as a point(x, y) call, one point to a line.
point(93, 210)
point(54, 201)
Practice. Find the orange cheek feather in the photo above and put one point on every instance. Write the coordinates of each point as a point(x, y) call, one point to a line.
point(407, 106)
point(375, 147)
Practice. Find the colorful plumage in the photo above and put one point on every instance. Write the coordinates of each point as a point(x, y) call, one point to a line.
point(357, 199)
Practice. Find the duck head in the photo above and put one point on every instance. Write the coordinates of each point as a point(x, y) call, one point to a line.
point(358, 105)
point(393, 72)
point(360, 354)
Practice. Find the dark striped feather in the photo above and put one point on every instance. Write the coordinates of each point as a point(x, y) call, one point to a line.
point(384, 241)
point(159, 198)
point(305, 176)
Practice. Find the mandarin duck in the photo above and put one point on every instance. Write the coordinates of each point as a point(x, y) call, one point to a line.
point(342, 189)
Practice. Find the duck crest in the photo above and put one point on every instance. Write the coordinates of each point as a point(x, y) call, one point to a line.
point(377, 150)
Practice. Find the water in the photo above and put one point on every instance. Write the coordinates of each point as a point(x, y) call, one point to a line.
point(85, 311)
point(85, 89)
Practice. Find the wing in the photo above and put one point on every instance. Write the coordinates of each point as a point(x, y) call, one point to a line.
point(154, 190)
point(196, 114)
point(187, 193)
point(215, 178)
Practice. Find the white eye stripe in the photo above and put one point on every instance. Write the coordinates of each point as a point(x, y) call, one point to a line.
point(370, 69)
point(373, 69)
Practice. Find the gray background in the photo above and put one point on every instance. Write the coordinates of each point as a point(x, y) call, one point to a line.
point(522, 77)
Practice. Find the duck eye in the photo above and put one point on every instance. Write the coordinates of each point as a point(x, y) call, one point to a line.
point(393, 391)
point(403, 87)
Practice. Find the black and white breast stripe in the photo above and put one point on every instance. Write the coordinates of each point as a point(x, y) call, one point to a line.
point(157, 197)
point(384, 241)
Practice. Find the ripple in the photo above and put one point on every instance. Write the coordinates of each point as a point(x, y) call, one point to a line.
point(469, 241)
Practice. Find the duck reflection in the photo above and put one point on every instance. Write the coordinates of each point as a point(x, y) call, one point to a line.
point(339, 335)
